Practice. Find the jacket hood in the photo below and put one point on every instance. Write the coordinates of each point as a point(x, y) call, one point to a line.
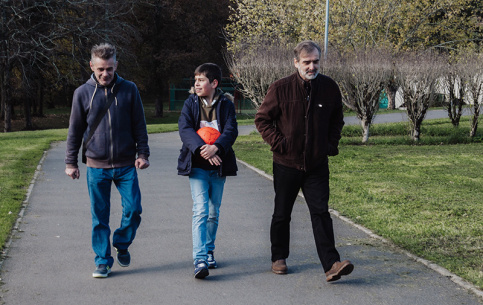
point(219, 92)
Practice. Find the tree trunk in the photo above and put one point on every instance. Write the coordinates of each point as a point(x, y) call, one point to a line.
point(416, 132)
point(391, 91)
point(158, 108)
point(474, 122)
point(6, 100)
point(40, 112)
point(28, 113)
point(2, 99)
point(8, 118)
point(365, 130)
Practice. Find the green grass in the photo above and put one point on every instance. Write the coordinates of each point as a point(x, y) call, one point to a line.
point(427, 199)
point(20, 154)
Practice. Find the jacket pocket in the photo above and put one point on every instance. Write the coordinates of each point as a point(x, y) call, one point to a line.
point(98, 147)
point(184, 161)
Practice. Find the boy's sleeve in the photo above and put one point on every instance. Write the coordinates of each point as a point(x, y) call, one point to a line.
point(230, 130)
point(187, 128)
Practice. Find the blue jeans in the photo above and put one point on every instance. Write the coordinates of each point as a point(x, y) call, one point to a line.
point(99, 182)
point(206, 191)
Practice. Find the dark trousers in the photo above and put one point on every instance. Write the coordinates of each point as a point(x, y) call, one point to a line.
point(315, 187)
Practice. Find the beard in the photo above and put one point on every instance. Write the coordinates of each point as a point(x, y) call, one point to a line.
point(309, 75)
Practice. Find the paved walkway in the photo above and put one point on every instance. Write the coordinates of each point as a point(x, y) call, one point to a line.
point(50, 260)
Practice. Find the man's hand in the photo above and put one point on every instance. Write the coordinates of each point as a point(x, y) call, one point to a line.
point(72, 172)
point(141, 163)
point(209, 151)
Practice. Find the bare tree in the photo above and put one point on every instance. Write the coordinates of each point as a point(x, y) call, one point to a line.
point(362, 76)
point(453, 84)
point(391, 89)
point(474, 88)
point(256, 66)
point(418, 75)
point(40, 36)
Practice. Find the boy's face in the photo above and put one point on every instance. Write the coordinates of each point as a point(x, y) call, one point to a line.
point(203, 87)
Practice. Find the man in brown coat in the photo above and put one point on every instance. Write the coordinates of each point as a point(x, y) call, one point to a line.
point(301, 118)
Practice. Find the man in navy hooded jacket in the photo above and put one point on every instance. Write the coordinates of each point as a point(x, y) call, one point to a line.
point(117, 148)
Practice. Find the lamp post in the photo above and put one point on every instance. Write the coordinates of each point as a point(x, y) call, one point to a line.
point(326, 42)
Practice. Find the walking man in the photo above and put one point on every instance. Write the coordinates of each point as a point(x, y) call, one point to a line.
point(301, 119)
point(108, 118)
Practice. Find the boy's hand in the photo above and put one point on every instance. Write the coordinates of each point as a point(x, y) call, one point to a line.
point(216, 160)
point(209, 151)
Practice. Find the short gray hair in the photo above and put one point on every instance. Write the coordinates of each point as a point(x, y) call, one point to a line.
point(308, 46)
point(103, 50)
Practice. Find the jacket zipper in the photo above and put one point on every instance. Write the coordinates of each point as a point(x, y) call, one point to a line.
point(308, 103)
point(111, 145)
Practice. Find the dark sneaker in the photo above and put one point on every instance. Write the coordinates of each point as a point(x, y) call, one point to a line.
point(123, 258)
point(279, 266)
point(102, 271)
point(211, 260)
point(201, 269)
point(339, 269)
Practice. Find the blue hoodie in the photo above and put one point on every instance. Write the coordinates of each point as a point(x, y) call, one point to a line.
point(121, 134)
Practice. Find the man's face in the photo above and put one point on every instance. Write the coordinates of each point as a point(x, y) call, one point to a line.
point(103, 69)
point(308, 64)
point(203, 87)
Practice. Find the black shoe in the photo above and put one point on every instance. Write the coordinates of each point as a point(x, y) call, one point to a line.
point(101, 271)
point(201, 269)
point(211, 260)
point(123, 258)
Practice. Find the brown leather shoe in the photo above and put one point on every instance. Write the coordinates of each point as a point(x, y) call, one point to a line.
point(339, 269)
point(279, 267)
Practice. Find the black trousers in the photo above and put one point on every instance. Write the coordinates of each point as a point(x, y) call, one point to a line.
point(315, 187)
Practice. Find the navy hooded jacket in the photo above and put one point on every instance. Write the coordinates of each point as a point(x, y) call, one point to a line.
point(189, 123)
point(121, 134)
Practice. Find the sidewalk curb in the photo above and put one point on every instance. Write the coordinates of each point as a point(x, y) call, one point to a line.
point(443, 271)
point(25, 203)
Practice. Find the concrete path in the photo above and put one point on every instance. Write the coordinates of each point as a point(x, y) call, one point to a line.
point(50, 260)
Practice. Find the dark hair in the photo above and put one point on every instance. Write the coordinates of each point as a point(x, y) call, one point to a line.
point(211, 71)
point(308, 46)
point(103, 50)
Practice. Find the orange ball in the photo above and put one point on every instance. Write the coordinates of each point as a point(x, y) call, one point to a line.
point(208, 134)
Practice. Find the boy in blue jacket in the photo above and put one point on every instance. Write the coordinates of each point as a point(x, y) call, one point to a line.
point(207, 165)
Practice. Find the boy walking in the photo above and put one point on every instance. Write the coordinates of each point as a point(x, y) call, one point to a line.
point(207, 165)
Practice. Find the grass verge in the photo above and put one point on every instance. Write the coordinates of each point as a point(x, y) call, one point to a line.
point(20, 154)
